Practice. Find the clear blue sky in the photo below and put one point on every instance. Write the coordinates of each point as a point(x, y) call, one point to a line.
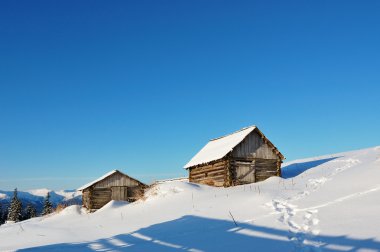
point(141, 86)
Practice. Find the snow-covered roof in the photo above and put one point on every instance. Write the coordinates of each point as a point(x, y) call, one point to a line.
point(219, 147)
point(97, 180)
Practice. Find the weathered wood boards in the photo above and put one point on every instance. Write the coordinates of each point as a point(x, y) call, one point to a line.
point(212, 174)
point(119, 193)
point(253, 159)
point(100, 197)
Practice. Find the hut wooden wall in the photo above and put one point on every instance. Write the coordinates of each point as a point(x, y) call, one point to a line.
point(119, 193)
point(116, 179)
point(243, 172)
point(99, 197)
point(86, 198)
point(232, 171)
point(250, 171)
point(135, 192)
point(253, 146)
point(266, 168)
point(211, 174)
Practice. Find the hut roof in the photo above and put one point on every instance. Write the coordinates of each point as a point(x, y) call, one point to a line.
point(219, 147)
point(103, 177)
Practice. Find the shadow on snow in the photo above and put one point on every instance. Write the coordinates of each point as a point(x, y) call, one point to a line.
point(296, 169)
point(196, 234)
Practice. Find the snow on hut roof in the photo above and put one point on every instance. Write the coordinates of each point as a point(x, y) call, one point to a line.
point(219, 147)
point(97, 180)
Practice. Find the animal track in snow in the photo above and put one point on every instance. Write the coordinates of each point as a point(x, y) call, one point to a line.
point(303, 229)
point(316, 183)
point(346, 163)
point(300, 234)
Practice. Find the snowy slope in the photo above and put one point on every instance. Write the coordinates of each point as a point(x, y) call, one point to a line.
point(329, 203)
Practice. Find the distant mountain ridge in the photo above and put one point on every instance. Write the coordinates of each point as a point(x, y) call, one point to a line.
point(36, 197)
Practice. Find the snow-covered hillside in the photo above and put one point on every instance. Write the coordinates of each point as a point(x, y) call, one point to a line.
point(329, 203)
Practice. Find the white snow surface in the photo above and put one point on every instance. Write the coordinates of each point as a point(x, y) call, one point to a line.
point(328, 203)
point(217, 148)
point(66, 194)
point(42, 192)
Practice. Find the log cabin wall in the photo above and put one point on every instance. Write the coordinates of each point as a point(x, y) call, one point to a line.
point(100, 197)
point(86, 198)
point(210, 174)
point(265, 168)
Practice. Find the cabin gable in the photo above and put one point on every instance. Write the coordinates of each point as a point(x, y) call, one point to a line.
point(116, 179)
point(112, 186)
point(247, 157)
point(254, 146)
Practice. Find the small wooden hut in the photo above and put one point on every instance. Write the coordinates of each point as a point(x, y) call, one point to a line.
point(243, 157)
point(114, 185)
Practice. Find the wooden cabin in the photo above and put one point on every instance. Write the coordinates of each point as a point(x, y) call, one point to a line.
point(114, 185)
point(243, 157)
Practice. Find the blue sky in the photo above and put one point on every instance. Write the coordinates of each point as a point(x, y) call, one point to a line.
point(141, 86)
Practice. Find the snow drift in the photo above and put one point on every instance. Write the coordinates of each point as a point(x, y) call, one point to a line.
point(329, 203)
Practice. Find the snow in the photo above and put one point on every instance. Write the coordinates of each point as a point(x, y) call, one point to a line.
point(186, 179)
point(55, 196)
point(39, 192)
point(217, 148)
point(68, 194)
point(97, 180)
point(112, 205)
point(328, 203)
point(3, 196)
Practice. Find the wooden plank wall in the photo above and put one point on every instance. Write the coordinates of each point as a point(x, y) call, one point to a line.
point(86, 198)
point(135, 193)
point(253, 146)
point(235, 172)
point(243, 172)
point(266, 168)
point(211, 174)
point(254, 170)
point(116, 179)
point(96, 198)
point(100, 197)
point(119, 193)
